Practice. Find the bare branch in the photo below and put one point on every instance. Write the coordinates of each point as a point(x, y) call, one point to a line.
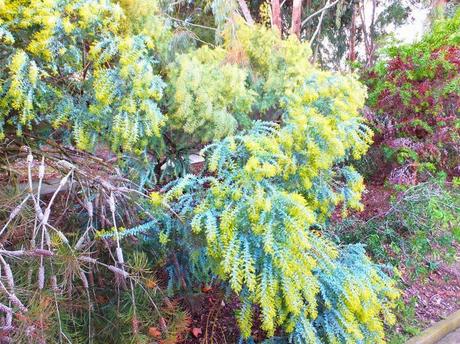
point(318, 28)
point(327, 6)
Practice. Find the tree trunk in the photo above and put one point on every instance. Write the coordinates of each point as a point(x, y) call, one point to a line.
point(352, 56)
point(296, 17)
point(437, 3)
point(437, 8)
point(372, 35)
point(276, 14)
point(365, 32)
point(246, 12)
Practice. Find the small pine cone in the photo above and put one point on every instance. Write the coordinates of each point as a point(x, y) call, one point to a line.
point(135, 325)
point(47, 238)
point(41, 252)
point(41, 277)
point(54, 285)
point(9, 276)
point(89, 208)
point(41, 171)
point(46, 216)
point(119, 255)
point(118, 271)
point(9, 319)
point(38, 211)
point(15, 212)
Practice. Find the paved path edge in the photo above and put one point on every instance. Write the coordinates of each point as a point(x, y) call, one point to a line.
point(439, 330)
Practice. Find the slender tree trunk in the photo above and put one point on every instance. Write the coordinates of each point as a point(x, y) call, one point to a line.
point(308, 12)
point(246, 12)
point(437, 8)
point(276, 14)
point(372, 35)
point(352, 56)
point(362, 15)
point(296, 17)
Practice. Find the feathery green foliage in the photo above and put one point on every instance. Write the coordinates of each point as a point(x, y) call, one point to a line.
point(77, 64)
point(269, 187)
point(285, 133)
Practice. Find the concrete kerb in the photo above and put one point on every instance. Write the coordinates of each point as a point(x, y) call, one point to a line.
point(438, 331)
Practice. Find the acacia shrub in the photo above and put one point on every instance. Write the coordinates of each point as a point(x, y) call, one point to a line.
point(77, 65)
point(250, 219)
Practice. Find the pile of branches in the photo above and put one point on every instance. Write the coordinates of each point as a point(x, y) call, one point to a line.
point(60, 281)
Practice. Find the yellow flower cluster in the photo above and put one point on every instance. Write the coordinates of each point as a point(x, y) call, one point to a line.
point(206, 94)
point(80, 63)
point(156, 199)
point(275, 184)
point(359, 305)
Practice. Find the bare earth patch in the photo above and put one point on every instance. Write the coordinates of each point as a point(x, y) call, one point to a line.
point(438, 295)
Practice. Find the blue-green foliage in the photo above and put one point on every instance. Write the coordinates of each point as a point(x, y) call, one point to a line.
point(250, 231)
point(76, 65)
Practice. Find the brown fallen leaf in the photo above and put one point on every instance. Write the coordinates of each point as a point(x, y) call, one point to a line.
point(151, 283)
point(154, 332)
point(206, 288)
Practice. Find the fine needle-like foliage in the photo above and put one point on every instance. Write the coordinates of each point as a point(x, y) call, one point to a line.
point(59, 282)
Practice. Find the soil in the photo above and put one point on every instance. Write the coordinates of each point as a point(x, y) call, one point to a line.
point(213, 317)
point(437, 296)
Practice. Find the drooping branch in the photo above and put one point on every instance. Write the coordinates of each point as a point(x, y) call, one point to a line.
point(352, 55)
point(296, 17)
point(246, 12)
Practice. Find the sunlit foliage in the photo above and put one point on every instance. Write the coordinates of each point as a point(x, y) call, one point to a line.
point(77, 64)
point(281, 135)
point(270, 186)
